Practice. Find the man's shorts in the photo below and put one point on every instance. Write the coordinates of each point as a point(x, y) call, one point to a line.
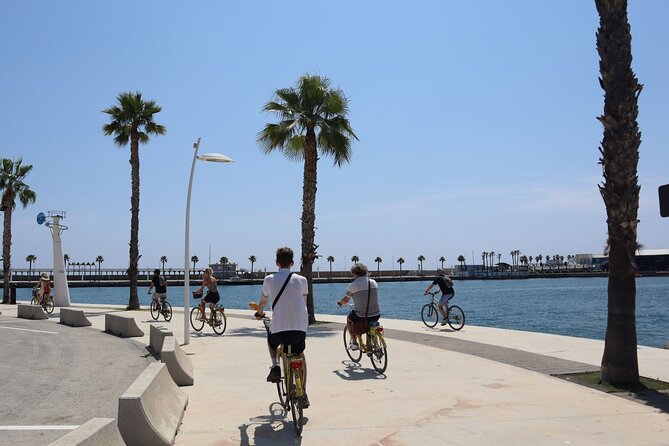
point(445, 298)
point(353, 317)
point(295, 338)
point(212, 297)
point(157, 296)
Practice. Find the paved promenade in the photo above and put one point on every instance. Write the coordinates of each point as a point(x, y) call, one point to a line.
point(480, 386)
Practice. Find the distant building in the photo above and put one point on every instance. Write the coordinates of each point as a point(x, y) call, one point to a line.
point(645, 259)
point(227, 271)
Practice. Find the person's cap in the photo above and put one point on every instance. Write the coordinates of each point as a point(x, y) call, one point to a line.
point(440, 271)
point(45, 276)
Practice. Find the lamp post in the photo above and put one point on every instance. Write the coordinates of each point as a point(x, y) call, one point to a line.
point(216, 158)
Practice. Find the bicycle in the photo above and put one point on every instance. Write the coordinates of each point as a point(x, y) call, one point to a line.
point(374, 346)
point(217, 320)
point(158, 308)
point(46, 303)
point(430, 314)
point(289, 388)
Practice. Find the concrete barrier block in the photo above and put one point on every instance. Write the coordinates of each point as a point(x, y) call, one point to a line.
point(95, 432)
point(31, 312)
point(122, 325)
point(151, 409)
point(156, 338)
point(74, 318)
point(178, 363)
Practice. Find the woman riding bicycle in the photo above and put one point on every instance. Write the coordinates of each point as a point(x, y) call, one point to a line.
point(447, 292)
point(212, 295)
point(359, 290)
point(43, 287)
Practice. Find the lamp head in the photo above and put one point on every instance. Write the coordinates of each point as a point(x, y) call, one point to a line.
point(215, 157)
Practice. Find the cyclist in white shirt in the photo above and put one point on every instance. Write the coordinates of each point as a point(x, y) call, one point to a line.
point(289, 317)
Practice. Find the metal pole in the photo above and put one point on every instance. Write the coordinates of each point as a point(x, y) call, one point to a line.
point(196, 146)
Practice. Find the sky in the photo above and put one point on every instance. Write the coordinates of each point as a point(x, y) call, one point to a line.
point(476, 123)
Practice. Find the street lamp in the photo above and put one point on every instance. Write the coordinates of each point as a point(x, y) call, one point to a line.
point(216, 158)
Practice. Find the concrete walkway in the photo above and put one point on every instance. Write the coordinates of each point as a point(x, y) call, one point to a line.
point(479, 386)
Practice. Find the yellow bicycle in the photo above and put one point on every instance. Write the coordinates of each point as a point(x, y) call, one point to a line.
point(290, 389)
point(373, 345)
point(46, 304)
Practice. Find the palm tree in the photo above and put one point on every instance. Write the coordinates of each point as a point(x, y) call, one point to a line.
point(355, 259)
point(252, 259)
point(421, 259)
point(132, 122)
point(461, 259)
point(620, 190)
point(330, 259)
point(99, 260)
point(400, 261)
point(12, 187)
point(223, 261)
point(194, 259)
point(378, 261)
point(30, 259)
point(442, 259)
point(163, 260)
point(313, 120)
point(66, 260)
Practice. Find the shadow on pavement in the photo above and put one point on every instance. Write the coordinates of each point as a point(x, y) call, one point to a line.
point(355, 372)
point(273, 429)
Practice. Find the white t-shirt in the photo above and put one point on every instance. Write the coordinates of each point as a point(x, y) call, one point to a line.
point(290, 312)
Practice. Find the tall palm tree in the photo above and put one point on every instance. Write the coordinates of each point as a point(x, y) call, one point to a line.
point(99, 260)
point(252, 259)
point(163, 260)
point(378, 261)
point(421, 259)
point(442, 259)
point(194, 259)
point(131, 121)
point(223, 261)
point(400, 261)
point(620, 189)
point(461, 259)
point(355, 259)
point(12, 175)
point(66, 260)
point(313, 120)
point(330, 259)
point(30, 258)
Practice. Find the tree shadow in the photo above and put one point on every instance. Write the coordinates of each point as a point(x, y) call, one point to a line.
point(355, 372)
point(272, 429)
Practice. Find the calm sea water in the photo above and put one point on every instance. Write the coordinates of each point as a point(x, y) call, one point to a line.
point(566, 306)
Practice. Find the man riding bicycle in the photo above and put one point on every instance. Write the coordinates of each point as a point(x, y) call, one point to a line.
point(365, 294)
point(160, 284)
point(447, 292)
point(288, 294)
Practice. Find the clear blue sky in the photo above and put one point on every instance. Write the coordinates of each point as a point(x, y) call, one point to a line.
point(477, 126)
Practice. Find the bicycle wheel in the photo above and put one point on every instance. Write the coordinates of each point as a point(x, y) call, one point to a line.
point(355, 355)
point(167, 311)
point(155, 309)
point(48, 306)
point(430, 315)
point(195, 321)
point(220, 322)
point(379, 354)
point(296, 408)
point(456, 317)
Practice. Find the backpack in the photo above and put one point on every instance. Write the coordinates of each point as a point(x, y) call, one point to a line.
point(162, 281)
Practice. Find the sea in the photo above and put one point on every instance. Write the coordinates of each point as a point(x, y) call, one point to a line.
point(564, 306)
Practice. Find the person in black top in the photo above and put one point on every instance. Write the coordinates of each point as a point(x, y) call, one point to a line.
point(160, 284)
point(447, 292)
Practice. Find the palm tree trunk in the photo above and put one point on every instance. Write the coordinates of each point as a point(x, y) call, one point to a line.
point(6, 250)
point(133, 302)
point(309, 217)
point(620, 190)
